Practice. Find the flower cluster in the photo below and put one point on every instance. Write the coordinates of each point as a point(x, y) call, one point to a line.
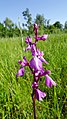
point(36, 64)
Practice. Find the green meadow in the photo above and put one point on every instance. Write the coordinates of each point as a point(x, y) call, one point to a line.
point(15, 93)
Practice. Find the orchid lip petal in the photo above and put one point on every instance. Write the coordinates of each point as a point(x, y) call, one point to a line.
point(20, 72)
point(35, 63)
point(40, 94)
point(49, 81)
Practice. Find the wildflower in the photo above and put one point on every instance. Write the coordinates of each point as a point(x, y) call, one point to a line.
point(35, 63)
point(28, 48)
point(24, 63)
point(20, 72)
point(35, 85)
point(49, 81)
point(40, 56)
point(28, 40)
point(39, 74)
point(38, 93)
point(36, 52)
point(44, 37)
point(33, 50)
point(36, 67)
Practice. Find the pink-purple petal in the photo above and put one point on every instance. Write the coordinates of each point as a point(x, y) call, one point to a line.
point(28, 40)
point(33, 50)
point(28, 48)
point(24, 63)
point(40, 95)
point(49, 81)
point(20, 72)
point(43, 60)
point(44, 37)
point(36, 64)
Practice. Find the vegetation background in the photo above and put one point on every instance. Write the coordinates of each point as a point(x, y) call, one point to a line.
point(15, 94)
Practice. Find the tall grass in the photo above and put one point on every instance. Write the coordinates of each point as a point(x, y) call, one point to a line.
point(15, 94)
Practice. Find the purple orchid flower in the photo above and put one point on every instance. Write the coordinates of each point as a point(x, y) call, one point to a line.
point(43, 60)
point(35, 85)
point(24, 63)
point(36, 67)
point(33, 50)
point(39, 94)
point(28, 40)
point(40, 56)
point(44, 37)
point(20, 72)
point(41, 73)
point(36, 52)
point(28, 48)
point(36, 64)
point(49, 81)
